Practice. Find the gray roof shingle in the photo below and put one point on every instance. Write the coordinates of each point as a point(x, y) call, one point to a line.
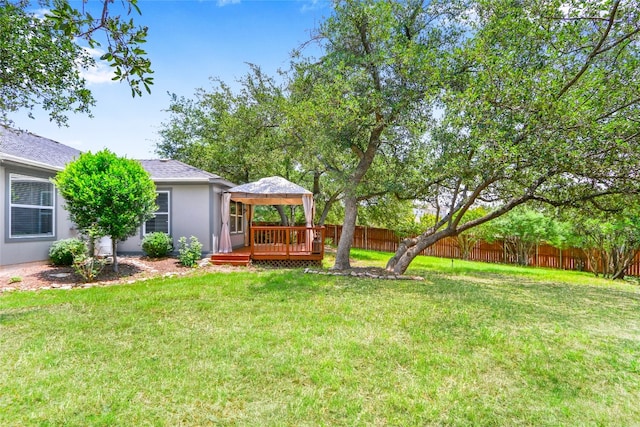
point(48, 153)
point(34, 148)
point(174, 169)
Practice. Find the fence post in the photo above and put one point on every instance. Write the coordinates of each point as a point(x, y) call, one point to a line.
point(366, 238)
point(561, 266)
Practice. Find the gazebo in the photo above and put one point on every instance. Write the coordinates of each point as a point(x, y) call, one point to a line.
point(273, 242)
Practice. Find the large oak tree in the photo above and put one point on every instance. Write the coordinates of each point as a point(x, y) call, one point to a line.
point(540, 103)
point(368, 95)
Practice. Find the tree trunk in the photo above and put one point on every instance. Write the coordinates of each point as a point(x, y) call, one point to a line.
point(348, 231)
point(350, 195)
point(284, 219)
point(619, 275)
point(593, 260)
point(411, 248)
point(466, 243)
point(91, 245)
point(327, 207)
point(625, 259)
point(323, 216)
point(114, 245)
point(316, 184)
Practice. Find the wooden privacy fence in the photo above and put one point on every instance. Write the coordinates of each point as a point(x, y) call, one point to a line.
point(379, 239)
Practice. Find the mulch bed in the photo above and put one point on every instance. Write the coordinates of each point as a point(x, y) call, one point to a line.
point(35, 276)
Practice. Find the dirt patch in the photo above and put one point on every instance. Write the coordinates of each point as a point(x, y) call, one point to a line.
point(40, 276)
point(367, 272)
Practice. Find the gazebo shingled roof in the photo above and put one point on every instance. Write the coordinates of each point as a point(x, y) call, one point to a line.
point(273, 190)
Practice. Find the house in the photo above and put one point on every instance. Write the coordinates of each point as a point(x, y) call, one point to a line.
point(33, 214)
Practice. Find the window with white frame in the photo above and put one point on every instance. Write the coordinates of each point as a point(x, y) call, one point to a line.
point(160, 220)
point(32, 207)
point(236, 217)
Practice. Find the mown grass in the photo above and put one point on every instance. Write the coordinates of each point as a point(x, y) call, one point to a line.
point(472, 344)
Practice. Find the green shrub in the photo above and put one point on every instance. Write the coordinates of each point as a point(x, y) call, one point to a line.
point(61, 252)
point(88, 267)
point(189, 253)
point(157, 245)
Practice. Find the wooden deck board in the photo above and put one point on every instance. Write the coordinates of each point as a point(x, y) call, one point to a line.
point(278, 251)
point(273, 253)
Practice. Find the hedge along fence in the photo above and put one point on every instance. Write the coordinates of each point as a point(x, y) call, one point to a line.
point(380, 239)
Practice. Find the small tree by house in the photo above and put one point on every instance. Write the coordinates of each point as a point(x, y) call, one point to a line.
point(107, 195)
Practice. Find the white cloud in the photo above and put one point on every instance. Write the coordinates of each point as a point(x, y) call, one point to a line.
point(313, 5)
point(99, 73)
point(226, 2)
point(40, 13)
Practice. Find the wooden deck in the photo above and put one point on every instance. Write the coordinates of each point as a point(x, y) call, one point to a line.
point(275, 243)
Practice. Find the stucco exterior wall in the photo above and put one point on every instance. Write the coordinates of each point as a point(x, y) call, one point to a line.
point(190, 214)
point(29, 249)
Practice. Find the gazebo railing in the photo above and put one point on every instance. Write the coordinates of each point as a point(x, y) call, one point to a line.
point(284, 242)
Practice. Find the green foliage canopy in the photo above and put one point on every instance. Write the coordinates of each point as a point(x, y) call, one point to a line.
point(521, 229)
point(235, 134)
point(41, 60)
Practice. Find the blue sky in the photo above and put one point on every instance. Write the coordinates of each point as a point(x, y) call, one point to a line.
point(189, 42)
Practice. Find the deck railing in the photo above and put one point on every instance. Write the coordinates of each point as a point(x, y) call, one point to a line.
point(284, 242)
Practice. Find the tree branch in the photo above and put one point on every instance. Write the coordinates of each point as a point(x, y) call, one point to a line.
point(593, 53)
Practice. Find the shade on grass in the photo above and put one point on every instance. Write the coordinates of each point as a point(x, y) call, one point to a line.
point(472, 344)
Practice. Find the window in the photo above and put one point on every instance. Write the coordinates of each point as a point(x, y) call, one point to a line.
point(236, 217)
point(32, 207)
point(160, 221)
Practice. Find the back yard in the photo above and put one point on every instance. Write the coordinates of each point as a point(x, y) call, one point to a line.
point(471, 344)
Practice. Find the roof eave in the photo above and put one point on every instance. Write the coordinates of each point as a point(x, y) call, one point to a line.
point(27, 162)
point(222, 181)
point(178, 180)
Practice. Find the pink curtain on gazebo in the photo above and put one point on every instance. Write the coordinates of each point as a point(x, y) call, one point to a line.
point(225, 234)
point(307, 204)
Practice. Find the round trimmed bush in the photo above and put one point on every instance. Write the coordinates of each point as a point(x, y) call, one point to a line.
point(62, 251)
point(157, 245)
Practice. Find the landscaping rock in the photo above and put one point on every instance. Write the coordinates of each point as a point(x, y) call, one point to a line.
point(364, 272)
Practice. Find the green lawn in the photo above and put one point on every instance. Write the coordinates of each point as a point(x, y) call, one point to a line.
point(473, 344)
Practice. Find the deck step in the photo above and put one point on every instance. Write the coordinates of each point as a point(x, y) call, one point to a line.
point(231, 259)
point(238, 263)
